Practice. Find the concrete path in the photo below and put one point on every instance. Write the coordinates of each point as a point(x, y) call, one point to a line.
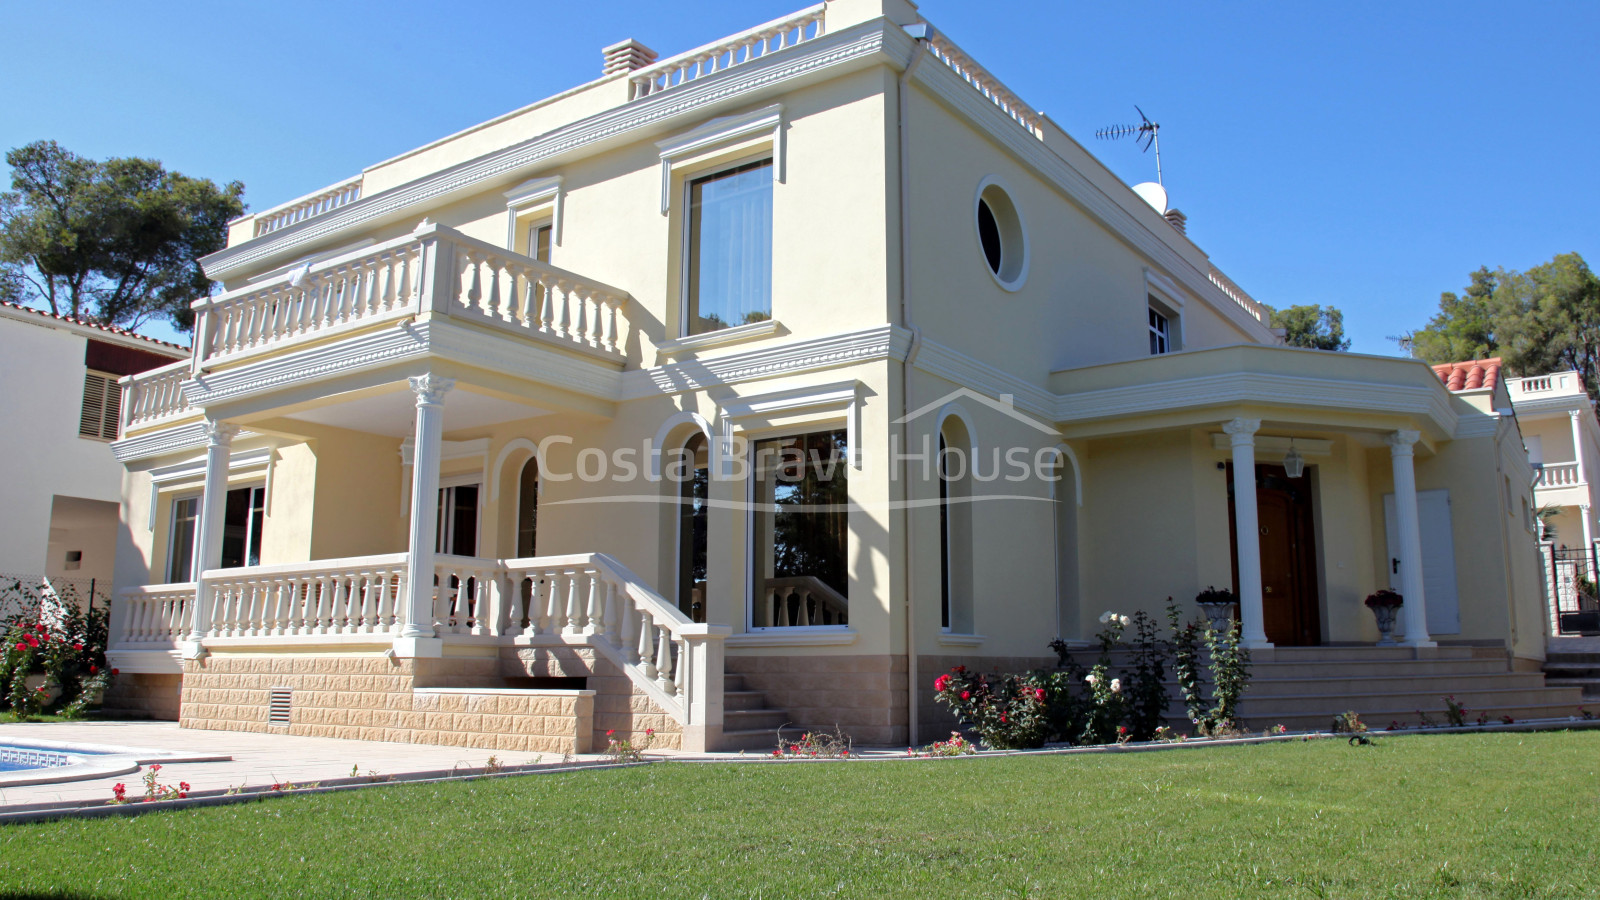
point(257, 759)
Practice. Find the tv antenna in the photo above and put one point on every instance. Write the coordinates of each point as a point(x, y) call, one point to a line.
point(1147, 133)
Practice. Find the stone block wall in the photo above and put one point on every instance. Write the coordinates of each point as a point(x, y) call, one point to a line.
point(619, 705)
point(143, 695)
point(371, 697)
point(863, 696)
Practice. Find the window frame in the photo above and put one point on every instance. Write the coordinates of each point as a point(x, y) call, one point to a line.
point(689, 177)
point(751, 441)
point(1160, 331)
point(172, 533)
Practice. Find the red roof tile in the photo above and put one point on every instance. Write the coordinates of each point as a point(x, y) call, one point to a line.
point(109, 329)
point(1470, 375)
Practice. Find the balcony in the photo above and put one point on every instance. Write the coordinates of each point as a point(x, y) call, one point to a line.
point(434, 271)
point(1558, 475)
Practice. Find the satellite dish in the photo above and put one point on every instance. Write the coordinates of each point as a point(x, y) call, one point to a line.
point(1153, 194)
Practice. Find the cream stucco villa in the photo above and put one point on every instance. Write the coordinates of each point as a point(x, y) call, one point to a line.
point(626, 410)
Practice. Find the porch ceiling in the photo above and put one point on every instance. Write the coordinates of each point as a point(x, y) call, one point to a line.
point(392, 412)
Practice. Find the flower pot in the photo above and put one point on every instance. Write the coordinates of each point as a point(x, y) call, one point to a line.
point(1386, 616)
point(1220, 615)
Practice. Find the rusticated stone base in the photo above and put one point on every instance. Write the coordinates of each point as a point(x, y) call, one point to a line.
point(863, 696)
point(450, 701)
point(143, 695)
point(619, 705)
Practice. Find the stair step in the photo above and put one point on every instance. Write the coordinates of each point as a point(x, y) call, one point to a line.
point(752, 719)
point(740, 701)
point(756, 739)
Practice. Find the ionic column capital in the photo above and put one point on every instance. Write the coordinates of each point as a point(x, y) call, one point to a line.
point(1400, 442)
point(430, 388)
point(1242, 431)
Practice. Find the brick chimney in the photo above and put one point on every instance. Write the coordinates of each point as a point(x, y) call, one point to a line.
point(1178, 220)
point(627, 56)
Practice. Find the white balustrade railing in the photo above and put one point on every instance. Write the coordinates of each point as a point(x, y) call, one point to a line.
point(1237, 294)
point(434, 269)
point(304, 208)
point(986, 84)
point(359, 596)
point(1556, 383)
point(763, 40)
point(803, 600)
point(524, 294)
point(587, 598)
point(1554, 475)
point(155, 395)
point(157, 614)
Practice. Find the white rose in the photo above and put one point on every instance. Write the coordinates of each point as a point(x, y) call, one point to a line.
point(1107, 616)
point(1092, 679)
point(1125, 621)
point(1116, 685)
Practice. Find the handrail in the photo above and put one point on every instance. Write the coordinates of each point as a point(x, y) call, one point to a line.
point(309, 206)
point(154, 395)
point(985, 83)
point(748, 45)
point(1237, 294)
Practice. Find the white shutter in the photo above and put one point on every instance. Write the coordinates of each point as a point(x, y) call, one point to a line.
point(102, 407)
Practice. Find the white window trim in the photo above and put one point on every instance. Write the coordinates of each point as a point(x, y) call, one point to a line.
point(181, 477)
point(1016, 284)
point(530, 200)
point(172, 531)
point(737, 334)
point(801, 632)
point(464, 479)
point(690, 148)
point(841, 398)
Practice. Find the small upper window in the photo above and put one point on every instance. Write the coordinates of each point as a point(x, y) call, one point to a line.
point(1001, 238)
point(539, 242)
point(730, 248)
point(1160, 333)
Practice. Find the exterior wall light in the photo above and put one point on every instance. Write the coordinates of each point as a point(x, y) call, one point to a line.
point(1293, 463)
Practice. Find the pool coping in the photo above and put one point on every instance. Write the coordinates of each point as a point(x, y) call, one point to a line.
point(108, 760)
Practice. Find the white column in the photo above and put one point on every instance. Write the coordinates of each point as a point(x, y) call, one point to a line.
point(1577, 446)
point(425, 458)
point(1588, 538)
point(1248, 528)
point(208, 530)
point(1409, 522)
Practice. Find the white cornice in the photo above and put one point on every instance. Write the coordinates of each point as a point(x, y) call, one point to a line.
point(170, 440)
point(799, 357)
point(959, 368)
point(851, 46)
point(353, 354)
point(1257, 388)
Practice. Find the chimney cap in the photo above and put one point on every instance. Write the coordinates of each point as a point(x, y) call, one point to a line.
point(627, 56)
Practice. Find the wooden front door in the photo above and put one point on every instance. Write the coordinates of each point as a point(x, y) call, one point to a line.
point(1289, 603)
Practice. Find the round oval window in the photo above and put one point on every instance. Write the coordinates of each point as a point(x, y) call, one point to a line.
point(1000, 235)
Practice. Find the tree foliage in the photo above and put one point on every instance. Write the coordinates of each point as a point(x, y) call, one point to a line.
point(1546, 319)
point(114, 242)
point(1314, 327)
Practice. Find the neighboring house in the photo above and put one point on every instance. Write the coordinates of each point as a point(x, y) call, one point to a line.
point(1563, 441)
point(759, 385)
point(60, 487)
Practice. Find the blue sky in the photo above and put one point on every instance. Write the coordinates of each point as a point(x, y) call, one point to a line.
point(1367, 155)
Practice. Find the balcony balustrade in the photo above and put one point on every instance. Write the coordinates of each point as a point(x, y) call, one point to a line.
point(1557, 475)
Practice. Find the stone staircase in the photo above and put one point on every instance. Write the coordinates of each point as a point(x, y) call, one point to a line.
point(748, 723)
point(1306, 688)
point(1575, 668)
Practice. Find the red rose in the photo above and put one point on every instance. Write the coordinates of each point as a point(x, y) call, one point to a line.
point(942, 682)
point(93, 668)
point(113, 672)
point(77, 646)
point(1002, 718)
point(966, 695)
point(40, 627)
point(1038, 693)
point(21, 646)
point(33, 641)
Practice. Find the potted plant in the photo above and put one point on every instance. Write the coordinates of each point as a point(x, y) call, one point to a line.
point(1385, 605)
point(1218, 607)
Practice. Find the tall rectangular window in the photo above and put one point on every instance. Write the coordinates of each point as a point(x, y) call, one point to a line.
point(180, 559)
point(1160, 333)
point(730, 248)
point(800, 531)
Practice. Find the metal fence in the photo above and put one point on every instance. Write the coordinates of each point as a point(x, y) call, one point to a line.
point(1570, 589)
point(39, 598)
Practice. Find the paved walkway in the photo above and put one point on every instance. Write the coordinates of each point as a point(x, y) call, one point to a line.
point(257, 759)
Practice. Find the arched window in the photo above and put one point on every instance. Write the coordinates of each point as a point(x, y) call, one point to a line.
point(528, 509)
point(1065, 503)
point(689, 468)
point(955, 526)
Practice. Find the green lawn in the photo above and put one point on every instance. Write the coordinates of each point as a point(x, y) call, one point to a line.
point(1497, 815)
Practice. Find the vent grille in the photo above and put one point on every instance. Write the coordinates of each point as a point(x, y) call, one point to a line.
point(279, 702)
